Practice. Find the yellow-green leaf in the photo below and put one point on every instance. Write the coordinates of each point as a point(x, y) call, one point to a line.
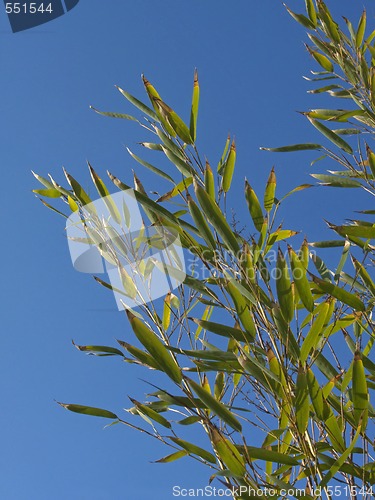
point(339, 293)
point(89, 410)
point(269, 195)
point(228, 168)
point(254, 206)
point(215, 406)
point(194, 107)
point(155, 347)
point(300, 280)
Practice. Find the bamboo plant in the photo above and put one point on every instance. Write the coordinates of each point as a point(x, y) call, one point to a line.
point(250, 345)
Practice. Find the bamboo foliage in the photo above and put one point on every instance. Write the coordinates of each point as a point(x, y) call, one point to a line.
point(270, 362)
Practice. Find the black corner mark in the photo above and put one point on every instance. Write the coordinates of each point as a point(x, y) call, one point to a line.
point(26, 14)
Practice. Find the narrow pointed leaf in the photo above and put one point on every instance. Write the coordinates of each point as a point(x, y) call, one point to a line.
point(215, 406)
point(89, 410)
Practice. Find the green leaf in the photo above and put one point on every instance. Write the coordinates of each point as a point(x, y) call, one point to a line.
point(45, 182)
point(150, 413)
point(195, 450)
point(228, 168)
point(201, 223)
point(105, 194)
point(340, 294)
point(194, 107)
point(215, 406)
point(78, 190)
point(327, 244)
point(172, 457)
point(216, 217)
point(334, 138)
point(302, 404)
point(49, 193)
point(311, 12)
point(336, 181)
point(360, 30)
point(138, 104)
point(301, 19)
point(300, 280)
point(269, 194)
point(321, 59)
point(89, 410)
point(190, 420)
point(172, 118)
point(52, 208)
point(222, 330)
point(360, 393)
point(367, 232)
point(340, 461)
point(143, 357)
point(293, 147)
point(156, 170)
point(155, 347)
point(114, 115)
point(181, 165)
point(228, 453)
point(254, 206)
point(99, 349)
point(223, 156)
point(313, 336)
point(270, 455)
point(284, 288)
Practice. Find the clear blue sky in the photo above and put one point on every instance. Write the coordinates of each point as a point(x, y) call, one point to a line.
point(251, 60)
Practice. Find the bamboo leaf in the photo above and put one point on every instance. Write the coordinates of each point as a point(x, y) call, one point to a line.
point(340, 461)
point(150, 413)
point(293, 147)
point(284, 288)
point(99, 349)
point(194, 107)
point(201, 223)
point(269, 194)
point(183, 166)
point(216, 217)
point(215, 406)
point(172, 118)
point(228, 168)
point(229, 454)
point(315, 332)
point(302, 405)
point(172, 457)
point(223, 156)
point(254, 206)
point(138, 104)
point(336, 181)
point(300, 280)
point(195, 450)
point(78, 190)
point(49, 193)
point(340, 294)
point(89, 410)
point(359, 36)
point(156, 170)
point(155, 347)
point(360, 394)
point(110, 114)
point(334, 138)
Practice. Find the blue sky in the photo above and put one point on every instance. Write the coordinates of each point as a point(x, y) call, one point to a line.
point(251, 59)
